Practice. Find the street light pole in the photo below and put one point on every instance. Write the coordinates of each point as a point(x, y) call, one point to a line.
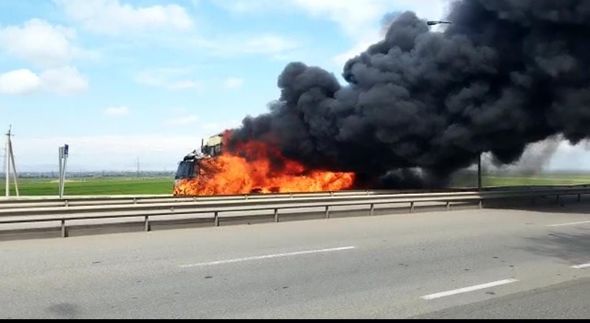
point(479, 174)
point(7, 164)
point(437, 22)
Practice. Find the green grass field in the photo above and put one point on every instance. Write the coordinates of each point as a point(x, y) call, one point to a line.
point(470, 180)
point(537, 180)
point(164, 185)
point(95, 186)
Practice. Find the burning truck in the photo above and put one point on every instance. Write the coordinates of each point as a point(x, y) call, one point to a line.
point(250, 167)
point(505, 74)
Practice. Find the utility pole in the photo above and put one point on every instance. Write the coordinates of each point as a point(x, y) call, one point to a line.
point(8, 162)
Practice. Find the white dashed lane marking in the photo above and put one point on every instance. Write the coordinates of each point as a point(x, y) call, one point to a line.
point(469, 289)
point(584, 266)
point(567, 224)
point(298, 253)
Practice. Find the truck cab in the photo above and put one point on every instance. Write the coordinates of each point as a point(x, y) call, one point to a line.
point(188, 168)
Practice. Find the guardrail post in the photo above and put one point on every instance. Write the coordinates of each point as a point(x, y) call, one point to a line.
point(331, 194)
point(277, 215)
point(64, 232)
point(372, 212)
point(481, 204)
point(135, 200)
point(216, 219)
point(412, 207)
point(448, 206)
point(67, 203)
point(327, 211)
point(246, 197)
point(147, 223)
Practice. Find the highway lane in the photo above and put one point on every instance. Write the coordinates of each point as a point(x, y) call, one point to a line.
point(562, 301)
point(367, 267)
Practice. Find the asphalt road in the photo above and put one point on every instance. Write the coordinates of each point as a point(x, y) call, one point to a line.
point(562, 301)
point(461, 264)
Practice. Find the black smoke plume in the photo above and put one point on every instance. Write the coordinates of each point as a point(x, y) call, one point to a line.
point(505, 74)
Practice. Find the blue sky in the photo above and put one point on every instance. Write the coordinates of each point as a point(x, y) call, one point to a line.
point(125, 79)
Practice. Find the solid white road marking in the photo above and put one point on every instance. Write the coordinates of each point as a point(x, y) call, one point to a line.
point(298, 253)
point(568, 224)
point(469, 289)
point(584, 266)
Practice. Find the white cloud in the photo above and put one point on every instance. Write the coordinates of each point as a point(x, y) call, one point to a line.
point(249, 6)
point(182, 121)
point(360, 47)
point(217, 127)
point(174, 79)
point(116, 112)
point(19, 82)
point(367, 28)
point(264, 44)
point(233, 83)
point(268, 44)
point(360, 20)
point(202, 126)
point(48, 47)
point(41, 43)
point(64, 80)
point(184, 85)
point(113, 17)
point(87, 153)
point(355, 17)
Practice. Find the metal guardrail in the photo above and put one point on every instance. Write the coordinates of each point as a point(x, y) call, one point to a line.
point(139, 199)
point(70, 202)
point(326, 204)
point(128, 198)
point(44, 201)
point(192, 204)
point(41, 208)
point(105, 202)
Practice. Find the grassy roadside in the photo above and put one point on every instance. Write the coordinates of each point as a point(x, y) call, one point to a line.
point(95, 186)
point(164, 185)
point(537, 181)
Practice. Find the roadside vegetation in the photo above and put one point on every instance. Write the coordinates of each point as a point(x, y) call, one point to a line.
point(95, 186)
point(469, 179)
point(164, 184)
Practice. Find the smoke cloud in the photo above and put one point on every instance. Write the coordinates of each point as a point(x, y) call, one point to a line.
point(505, 74)
point(533, 161)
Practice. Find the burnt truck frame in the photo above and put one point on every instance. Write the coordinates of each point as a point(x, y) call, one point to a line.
point(188, 168)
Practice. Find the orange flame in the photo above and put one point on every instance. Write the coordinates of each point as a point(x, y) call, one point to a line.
point(251, 171)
